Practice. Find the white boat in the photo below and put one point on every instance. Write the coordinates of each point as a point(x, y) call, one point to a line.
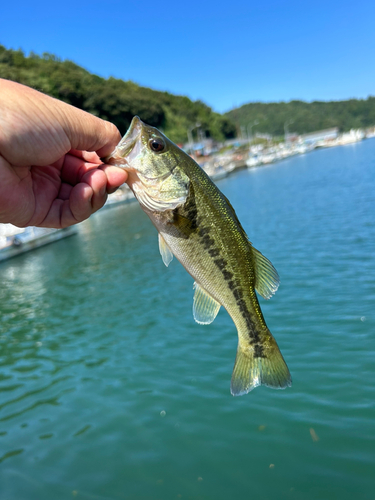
point(351, 137)
point(268, 158)
point(253, 161)
point(15, 240)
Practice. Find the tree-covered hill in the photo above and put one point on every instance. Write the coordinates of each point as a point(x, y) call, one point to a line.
point(303, 117)
point(118, 101)
point(113, 99)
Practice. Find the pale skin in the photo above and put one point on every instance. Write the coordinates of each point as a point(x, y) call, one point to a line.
point(51, 174)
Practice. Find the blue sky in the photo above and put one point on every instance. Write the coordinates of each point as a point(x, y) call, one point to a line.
point(225, 54)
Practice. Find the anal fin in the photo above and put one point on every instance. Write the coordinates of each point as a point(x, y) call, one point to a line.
point(205, 308)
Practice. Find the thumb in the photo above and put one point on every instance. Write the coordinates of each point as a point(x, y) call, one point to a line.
point(39, 130)
point(87, 132)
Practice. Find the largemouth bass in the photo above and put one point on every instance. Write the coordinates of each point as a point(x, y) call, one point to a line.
point(198, 225)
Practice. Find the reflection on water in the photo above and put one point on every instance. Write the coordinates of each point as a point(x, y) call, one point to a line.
point(108, 389)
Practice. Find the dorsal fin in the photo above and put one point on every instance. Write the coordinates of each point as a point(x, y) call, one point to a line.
point(205, 308)
point(266, 278)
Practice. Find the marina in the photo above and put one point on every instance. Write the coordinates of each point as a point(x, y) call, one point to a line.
point(218, 166)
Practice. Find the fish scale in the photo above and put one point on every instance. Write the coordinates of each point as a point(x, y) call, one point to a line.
point(198, 225)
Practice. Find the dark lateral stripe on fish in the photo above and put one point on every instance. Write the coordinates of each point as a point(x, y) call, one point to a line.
point(221, 264)
point(238, 294)
point(185, 218)
point(254, 338)
point(191, 209)
point(214, 252)
point(227, 275)
point(259, 351)
point(207, 242)
point(232, 285)
point(204, 230)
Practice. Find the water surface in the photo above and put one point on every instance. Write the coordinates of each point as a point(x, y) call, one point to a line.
point(110, 390)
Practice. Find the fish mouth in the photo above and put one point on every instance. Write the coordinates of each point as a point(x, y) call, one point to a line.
point(126, 145)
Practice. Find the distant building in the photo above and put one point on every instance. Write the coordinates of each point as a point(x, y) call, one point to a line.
point(320, 135)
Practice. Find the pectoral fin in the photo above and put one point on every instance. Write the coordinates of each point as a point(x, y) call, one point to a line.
point(165, 252)
point(205, 308)
point(266, 278)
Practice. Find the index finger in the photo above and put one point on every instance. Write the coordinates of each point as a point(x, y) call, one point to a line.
point(75, 167)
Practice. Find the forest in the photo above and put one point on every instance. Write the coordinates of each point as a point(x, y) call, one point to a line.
point(302, 117)
point(113, 99)
point(118, 101)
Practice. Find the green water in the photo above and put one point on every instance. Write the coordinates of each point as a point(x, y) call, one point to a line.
point(109, 390)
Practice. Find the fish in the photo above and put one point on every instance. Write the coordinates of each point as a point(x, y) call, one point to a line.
point(198, 225)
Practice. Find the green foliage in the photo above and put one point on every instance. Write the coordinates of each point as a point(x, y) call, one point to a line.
point(118, 101)
point(112, 99)
point(303, 117)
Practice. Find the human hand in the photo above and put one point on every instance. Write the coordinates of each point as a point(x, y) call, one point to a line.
point(51, 174)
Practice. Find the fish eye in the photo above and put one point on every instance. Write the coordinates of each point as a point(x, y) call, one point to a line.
point(157, 144)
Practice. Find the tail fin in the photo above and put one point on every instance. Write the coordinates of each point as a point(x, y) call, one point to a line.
point(250, 371)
